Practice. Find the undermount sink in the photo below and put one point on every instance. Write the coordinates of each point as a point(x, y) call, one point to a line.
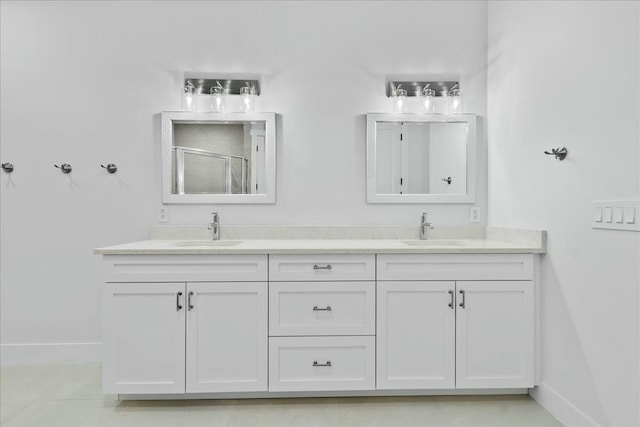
point(207, 243)
point(441, 242)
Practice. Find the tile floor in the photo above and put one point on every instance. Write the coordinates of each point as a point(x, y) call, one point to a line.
point(70, 396)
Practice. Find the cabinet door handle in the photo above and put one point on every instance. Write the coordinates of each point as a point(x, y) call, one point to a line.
point(316, 364)
point(451, 303)
point(326, 267)
point(462, 300)
point(316, 308)
point(178, 306)
point(189, 305)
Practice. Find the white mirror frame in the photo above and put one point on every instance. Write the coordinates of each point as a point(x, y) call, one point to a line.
point(373, 197)
point(171, 117)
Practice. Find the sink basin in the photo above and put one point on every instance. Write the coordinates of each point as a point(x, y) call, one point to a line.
point(207, 243)
point(441, 242)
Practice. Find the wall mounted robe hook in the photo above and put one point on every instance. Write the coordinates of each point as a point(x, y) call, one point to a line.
point(560, 153)
point(111, 167)
point(65, 168)
point(447, 180)
point(7, 167)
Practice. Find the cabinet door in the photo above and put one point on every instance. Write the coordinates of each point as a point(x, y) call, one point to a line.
point(415, 340)
point(226, 337)
point(143, 337)
point(494, 334)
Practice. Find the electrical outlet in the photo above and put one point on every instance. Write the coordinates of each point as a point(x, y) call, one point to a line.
point(163, 214)
point(474, 214)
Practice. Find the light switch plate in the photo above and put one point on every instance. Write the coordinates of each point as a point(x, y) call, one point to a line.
point(616, 214)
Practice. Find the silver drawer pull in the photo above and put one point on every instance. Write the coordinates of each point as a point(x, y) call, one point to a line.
point(189, 301)
point(316, 364)
point(326, 267)
point(178, 305)
point(316, 308)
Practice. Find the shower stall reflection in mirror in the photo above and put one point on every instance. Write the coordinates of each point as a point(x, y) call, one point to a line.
point(218, 158)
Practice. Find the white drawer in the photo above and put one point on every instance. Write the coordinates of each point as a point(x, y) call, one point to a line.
point(321, 363)
point(322, 308)
point(322, 267)
point(185, 268)
point(455, 267)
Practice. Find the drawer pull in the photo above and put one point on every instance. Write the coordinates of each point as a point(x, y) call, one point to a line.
point(326, 267)
point(451, 299)
point(462, 302)
point(316, 308)
point(178, 305)
point(316, 364)
point(189, 301)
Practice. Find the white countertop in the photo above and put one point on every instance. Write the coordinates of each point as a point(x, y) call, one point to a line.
point(196, 240)
point(319, 246)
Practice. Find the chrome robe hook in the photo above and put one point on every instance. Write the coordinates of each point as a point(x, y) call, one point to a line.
point(560, 153)
point(65, 168)
point(111, 168)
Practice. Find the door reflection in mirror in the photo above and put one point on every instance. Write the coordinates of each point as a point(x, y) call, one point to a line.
point(421, 158)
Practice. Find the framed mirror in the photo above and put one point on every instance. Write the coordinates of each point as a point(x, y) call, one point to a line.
point(218, 157)
point(415, 158)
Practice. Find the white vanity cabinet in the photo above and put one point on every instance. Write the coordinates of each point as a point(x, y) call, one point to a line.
point(457, 333)
point(321, 322)
point(189, 336)
point(284, 324)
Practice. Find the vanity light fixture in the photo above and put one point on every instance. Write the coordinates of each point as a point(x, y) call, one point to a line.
point(205, 95)
point(427, 93)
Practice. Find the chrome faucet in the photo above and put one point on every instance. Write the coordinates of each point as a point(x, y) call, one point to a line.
point(424, 226)
point(215, 226)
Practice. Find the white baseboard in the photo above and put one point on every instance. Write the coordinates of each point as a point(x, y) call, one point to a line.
point(34, 354)
point(563, 410)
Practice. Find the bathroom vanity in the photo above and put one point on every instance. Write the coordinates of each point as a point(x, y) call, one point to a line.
point(190, 318)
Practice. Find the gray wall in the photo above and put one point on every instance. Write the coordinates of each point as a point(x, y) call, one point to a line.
point(544, 60)
point(84, 83)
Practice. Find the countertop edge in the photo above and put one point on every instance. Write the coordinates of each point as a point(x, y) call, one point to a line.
point(226, 251)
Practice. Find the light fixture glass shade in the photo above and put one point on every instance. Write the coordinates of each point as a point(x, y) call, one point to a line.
point(248, 99)
point(218, 98)
point(428, 101)
point(188, 98)
point(455, 101)
point(399, 101)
